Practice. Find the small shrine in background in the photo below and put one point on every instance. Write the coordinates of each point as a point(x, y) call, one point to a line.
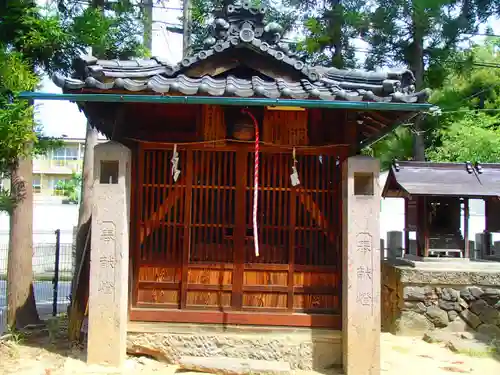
point(437, 199)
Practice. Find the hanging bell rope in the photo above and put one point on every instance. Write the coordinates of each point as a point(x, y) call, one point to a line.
point(255, 182)
point(175, 164)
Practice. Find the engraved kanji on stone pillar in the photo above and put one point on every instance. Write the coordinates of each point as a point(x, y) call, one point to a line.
point(361, 266)
point(108, 298)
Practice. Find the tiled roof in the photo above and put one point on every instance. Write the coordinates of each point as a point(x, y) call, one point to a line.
point(242, 26)
point(443, 179)
point(232, 86)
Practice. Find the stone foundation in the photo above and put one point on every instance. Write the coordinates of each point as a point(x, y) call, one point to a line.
point(303, 349)
point(418, 298)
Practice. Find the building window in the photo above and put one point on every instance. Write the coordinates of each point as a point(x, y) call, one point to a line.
point(37, 185)
point(64, 154)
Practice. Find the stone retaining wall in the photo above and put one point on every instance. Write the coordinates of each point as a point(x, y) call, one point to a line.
point(303, 349)
point(415, 301)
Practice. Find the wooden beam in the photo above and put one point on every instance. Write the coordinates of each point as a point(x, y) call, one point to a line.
point(235, 317)
point(310, 205)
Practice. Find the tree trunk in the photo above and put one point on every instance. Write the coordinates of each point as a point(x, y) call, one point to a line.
point(21, 306)
point(417, 66)
point(336, 23)
point(186, 26)
point(85, 209)
point(148, 24)
point(77, 310)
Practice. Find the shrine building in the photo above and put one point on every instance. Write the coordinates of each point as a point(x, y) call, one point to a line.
point(232, 205)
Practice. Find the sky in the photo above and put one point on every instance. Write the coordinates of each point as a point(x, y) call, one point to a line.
point(62, 118)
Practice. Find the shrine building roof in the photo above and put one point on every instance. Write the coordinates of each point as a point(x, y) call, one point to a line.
point(244, 57)
point(442, 179)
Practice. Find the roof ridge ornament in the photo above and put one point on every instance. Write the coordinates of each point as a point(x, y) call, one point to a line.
point(241, 21)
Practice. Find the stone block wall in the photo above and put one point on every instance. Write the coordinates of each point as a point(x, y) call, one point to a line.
point(303, 349)
point(415, 301)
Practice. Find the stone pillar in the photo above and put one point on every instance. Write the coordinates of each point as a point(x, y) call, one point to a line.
point(413, 247)
point(109, 258)
point(394, 244)
point(479, 245)
point(361, 266)
point(472, 249)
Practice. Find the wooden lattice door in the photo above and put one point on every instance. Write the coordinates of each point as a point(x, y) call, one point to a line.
point(194, 247)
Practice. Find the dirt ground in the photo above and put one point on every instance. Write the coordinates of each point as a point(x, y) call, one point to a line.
point(47, 352)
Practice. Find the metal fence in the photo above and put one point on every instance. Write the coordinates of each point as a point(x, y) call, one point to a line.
point(52, 271)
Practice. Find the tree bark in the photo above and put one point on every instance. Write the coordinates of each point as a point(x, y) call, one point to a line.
point(21, 306)
point(336, 23)
point(186, 26)
point(417, 66)
point(77, 309)
point(148, 24)
point(85, 209)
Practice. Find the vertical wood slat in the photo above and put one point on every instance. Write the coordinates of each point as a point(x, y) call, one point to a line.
point(239, 237)
point(166, 224)
point(279, 208)
point(211, 218)
point(225, 168)
point(178, 202)
point(154, 189)
point(147, 250)
point(136, 194)
point(187, 228)
point(291, 247)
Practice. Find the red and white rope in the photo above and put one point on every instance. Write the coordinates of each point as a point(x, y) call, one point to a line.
point(255, 182)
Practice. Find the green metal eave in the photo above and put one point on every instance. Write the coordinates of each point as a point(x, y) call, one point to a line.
point(222, 100)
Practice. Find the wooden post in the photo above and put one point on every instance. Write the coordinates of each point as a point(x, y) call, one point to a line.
point(487, 240)
point(466, 228)
point(406, 238)
point(187, 228)
point(426, 226)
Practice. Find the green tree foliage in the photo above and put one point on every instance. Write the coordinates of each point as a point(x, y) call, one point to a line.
point(71, 188)
point(47, 40)
point(468, 129)
point(475, 138)
point(422, 34)
point(330, 29)
point(16, 117)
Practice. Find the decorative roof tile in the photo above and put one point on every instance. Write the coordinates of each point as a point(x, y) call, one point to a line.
point(233, 86)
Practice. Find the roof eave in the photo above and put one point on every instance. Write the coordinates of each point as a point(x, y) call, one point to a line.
point(226, 100)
